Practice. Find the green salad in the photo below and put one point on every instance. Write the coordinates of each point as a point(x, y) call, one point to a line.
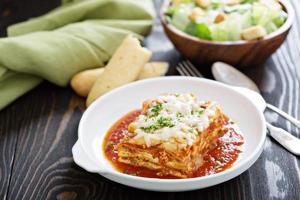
point(226, 20)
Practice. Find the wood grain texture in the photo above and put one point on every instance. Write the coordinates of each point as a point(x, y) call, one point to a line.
point(8, 141)
point(13, 11)
point(38, 131)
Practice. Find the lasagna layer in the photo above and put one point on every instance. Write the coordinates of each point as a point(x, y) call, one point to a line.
point(173, 155)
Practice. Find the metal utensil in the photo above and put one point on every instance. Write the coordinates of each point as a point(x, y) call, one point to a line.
point(287, 140)
point(229, 75)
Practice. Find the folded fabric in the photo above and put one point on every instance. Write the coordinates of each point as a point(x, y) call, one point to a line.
point(78, 35)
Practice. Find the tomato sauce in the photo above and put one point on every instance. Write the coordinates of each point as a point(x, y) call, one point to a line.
point(218, 159)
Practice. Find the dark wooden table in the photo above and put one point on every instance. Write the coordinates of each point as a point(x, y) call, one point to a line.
point(38, 131)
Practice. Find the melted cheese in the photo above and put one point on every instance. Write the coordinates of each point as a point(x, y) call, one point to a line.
point(174, 116)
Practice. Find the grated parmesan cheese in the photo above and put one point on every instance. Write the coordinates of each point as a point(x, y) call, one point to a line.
point(177, 116)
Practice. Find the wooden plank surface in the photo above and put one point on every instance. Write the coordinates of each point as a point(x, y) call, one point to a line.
point(38, 131)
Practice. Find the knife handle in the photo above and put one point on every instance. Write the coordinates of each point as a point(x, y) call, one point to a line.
point(286, 139)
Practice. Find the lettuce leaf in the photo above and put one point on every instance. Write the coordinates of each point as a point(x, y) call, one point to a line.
point(219, 32)
point(199, 30)
point(267, 17)
point(280, 18)
point(234, 26)
point(180, 19)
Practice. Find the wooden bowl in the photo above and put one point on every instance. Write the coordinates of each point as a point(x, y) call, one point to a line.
point(237, 53)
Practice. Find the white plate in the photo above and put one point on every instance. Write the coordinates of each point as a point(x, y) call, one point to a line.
point(99, 117)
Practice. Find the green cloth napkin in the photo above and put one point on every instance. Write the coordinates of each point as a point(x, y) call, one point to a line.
point(78, 35)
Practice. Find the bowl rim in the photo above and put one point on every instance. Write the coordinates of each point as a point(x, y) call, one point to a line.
point(234, 171)
point(284, 28)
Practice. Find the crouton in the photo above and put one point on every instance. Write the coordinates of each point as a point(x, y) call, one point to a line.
point(203, 3)
point(220, 17)
point(195, 13)
point(231, 2)
point(254, 32)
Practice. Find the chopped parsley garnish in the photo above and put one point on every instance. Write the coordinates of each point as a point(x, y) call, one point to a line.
point(165, 122)
point(200, 112)
point(160, 123)
point(179, 115)
point(110, 144)
point(191, 130)
point(155, 110)
point(150, 128)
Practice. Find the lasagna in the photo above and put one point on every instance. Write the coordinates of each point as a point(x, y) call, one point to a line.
point(171, 135)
